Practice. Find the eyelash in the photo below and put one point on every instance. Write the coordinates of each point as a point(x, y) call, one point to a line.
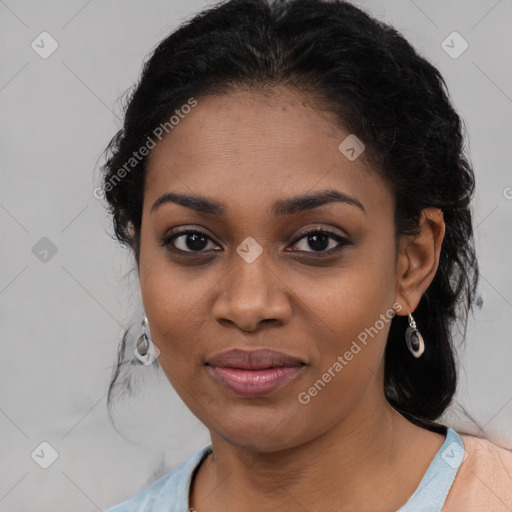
point(167, 241)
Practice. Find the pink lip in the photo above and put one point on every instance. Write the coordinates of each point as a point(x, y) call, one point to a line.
point(253, 373)
point(252, 383)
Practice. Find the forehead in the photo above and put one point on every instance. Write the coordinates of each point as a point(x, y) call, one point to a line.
point(249, 148)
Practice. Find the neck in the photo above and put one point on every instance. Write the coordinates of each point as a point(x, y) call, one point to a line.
point(364, 452)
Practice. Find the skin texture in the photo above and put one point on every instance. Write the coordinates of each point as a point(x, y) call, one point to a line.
point(347, 446)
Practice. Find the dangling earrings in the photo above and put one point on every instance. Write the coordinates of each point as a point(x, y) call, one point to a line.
point(145, 351)
point(414, 339)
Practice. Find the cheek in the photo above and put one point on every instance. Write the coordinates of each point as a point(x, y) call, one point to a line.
point(163, 296)
point(351, 299)
point(172, 306)
point(351, 349)
point(352, 313)
point(174, 300)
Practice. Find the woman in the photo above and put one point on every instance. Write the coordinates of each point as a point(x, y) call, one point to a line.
point(291, 180)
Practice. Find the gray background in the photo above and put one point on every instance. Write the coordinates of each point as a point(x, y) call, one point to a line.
point(62, 314)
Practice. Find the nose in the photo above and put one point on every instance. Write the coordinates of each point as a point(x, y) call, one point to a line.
point(252, 294)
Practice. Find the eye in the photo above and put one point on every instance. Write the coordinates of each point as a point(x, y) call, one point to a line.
point(318, 240)
point(194, 241)
point(186, 241)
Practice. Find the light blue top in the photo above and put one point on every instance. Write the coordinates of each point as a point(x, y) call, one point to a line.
point(170, 493)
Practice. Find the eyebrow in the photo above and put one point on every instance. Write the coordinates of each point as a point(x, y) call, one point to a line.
point(280, 208)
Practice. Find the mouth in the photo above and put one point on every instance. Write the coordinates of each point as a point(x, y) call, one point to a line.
point(253, 373)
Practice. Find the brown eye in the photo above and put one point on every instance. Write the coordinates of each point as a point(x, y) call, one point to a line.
point(319, 240)
point(187, 241)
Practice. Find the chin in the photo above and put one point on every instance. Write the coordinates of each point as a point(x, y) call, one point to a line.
point(270, 434)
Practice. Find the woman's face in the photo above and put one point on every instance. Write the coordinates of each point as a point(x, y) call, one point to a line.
point(254, 280)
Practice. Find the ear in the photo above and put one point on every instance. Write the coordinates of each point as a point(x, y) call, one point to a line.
point(130, 229)
point(418, 259)
point(134, 243)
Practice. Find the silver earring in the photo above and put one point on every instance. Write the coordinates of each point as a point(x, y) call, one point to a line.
point(414, 339)
point(145, 351)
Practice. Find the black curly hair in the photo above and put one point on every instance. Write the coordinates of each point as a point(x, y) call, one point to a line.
point(380, 89)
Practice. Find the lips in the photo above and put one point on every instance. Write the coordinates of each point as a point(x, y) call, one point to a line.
point(256, 373)
point(254, 359)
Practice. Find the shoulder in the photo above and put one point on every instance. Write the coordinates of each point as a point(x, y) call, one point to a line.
point(484, 479)
point(169, 493)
